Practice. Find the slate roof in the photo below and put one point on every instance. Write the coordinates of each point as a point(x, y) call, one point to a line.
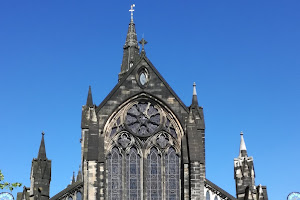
point(216, 189)
point(69, 189)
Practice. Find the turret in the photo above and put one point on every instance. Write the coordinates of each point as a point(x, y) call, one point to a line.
point(244, 176)
point(40, 175)
point(195, 142)
point(90, 146)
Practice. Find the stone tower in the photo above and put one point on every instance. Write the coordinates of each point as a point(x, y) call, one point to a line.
point(40, 176)
point(244, 176)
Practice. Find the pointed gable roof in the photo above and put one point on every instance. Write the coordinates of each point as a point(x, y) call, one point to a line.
point(131, 74)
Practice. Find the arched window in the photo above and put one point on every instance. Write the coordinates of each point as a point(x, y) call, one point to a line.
point(207, 195)
point(133, 175)
point(154, 188)
point(114, 167)
point(216, 198)
point(131, 130)
point(172, 174)
point(70, 198)
point(78, 196)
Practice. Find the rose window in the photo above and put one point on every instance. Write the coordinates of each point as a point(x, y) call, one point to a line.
point(143, 119)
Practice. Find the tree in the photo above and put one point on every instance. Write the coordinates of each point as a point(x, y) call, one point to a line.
point(6, 185)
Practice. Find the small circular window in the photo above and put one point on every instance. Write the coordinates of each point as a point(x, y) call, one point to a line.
point(143, 78)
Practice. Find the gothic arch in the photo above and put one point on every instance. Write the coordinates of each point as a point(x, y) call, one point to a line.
point(116, 119)
point(142, 145)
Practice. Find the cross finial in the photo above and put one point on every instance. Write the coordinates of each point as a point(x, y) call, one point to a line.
point(131, 10)
point(143, 42)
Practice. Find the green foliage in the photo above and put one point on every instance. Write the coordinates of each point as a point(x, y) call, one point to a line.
point(6, 185)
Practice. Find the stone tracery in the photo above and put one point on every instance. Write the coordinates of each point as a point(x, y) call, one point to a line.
point(148, 137)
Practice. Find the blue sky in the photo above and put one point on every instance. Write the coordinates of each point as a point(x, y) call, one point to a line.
point(243, 55)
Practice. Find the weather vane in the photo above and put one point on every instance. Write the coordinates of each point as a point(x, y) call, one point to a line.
point(131, 10)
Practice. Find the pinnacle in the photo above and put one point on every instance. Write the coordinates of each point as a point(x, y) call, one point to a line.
point(89, 101)
point(243, 149)
point(195, 99)
point(42, 150)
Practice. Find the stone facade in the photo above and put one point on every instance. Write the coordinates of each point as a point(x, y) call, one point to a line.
point(142, 142)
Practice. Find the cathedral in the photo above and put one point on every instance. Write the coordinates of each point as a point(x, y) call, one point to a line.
point(142, 143)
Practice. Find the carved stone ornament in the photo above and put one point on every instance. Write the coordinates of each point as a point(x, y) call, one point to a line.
point(124, 140)
point(162, 141)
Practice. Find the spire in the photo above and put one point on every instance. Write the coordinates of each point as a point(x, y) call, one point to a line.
point(42, 150)
point(89, 101)
point(195, 99)
point(73, 178)
point(243, 149)
point(131, 47)
point(79, 175)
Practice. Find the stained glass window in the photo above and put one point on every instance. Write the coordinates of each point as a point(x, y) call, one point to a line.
point(135, 124)
point(154, 187)
point(114, 167)
point(78, 196)
point(207, 195)
point(133, 175)
point(172, 175)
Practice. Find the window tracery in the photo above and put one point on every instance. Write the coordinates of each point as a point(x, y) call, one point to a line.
point(143, 128)
point(143, 119)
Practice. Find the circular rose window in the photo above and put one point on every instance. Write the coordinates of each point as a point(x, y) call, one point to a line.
point(143, 119)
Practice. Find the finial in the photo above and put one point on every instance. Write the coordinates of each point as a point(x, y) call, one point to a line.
point(132, 10)
point(143, 42)
point(241, 133)
point(43, 133)
point(194, 89)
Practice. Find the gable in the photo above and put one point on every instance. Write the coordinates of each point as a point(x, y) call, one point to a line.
point(130, 86)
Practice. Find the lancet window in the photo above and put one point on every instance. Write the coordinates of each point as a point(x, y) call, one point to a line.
point(154, 177)
point(207, 195)
point(114, 166)
point(172, 174)
point(133, 176)
point(78, 196)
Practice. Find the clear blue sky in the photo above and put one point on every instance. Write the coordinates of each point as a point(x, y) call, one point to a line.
point(243, 55)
